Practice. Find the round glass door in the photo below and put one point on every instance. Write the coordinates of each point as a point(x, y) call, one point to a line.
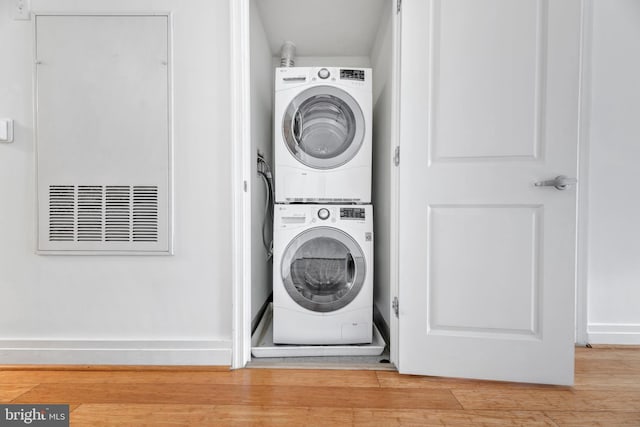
point(323, 269)
point(323, 127)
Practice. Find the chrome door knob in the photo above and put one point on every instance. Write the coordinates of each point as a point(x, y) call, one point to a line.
point(560, 182)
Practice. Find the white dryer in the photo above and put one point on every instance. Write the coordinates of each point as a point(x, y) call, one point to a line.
point(322, 138)
point(323, 274)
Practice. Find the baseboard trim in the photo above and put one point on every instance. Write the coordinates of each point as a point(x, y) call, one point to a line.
point(614, 333)
point(78, 352)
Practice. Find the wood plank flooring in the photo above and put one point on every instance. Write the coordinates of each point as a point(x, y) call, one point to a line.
point(607, 393)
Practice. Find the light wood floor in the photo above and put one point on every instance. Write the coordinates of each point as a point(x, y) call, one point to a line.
point(607, 393)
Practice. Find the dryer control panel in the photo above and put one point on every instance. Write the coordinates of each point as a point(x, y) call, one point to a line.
point(293, 77)
point(357, 75)
point(352, 213)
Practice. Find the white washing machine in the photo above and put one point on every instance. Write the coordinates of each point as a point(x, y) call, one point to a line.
point(323, 135)
point(323, 274)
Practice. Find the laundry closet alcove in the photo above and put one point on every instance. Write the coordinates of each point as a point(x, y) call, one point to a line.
point(355, 34)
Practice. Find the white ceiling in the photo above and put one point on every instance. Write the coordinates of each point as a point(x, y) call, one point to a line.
point(322, 27)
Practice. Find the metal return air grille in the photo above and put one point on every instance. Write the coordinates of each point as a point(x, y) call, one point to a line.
point(97, 213)
point(90, 213)
point(62, 213)
point(118, 214)
point(145, 214)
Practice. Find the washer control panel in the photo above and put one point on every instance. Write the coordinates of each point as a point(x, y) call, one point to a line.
point(352, 213)
point(323, 213)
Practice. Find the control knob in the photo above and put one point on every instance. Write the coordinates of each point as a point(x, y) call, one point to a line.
point(324, 73)
point(323, 213)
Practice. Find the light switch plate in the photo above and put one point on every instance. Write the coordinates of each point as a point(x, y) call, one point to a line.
point(6, 130)
point(22, 10)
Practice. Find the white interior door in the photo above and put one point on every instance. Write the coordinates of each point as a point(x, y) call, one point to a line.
point(489, 105)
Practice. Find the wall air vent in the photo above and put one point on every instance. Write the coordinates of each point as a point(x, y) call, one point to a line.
point(145, 214)
point(117, 214)
point(97, 213)
point(90, 213)
point(62, 207)
point(103, 129)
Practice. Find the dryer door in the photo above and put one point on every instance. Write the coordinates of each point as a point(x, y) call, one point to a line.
point(323, 269)
point(323, 127)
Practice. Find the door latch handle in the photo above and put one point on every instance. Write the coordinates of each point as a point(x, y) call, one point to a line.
point(560, 182)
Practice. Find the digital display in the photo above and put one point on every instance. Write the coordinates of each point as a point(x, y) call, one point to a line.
point(352, 75)
point(352, 213)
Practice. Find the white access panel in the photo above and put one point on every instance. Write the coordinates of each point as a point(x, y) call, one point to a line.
point(103, 134)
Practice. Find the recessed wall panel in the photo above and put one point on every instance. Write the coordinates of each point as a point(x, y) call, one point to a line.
point(483, 269)
point(487, 78)
point(103, 127)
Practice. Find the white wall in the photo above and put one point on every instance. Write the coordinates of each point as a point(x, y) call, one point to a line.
point(262, 139)
point(164, 310)
point(614, 152)
point(322, 28)
point(328, 61)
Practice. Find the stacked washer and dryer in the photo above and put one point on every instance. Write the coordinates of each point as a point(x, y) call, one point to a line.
point(323, 218)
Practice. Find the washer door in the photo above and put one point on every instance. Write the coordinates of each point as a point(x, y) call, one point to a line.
point(323, 127)
point(323, 269)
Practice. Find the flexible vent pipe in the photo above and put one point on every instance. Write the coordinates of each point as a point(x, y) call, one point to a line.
point(287, 54)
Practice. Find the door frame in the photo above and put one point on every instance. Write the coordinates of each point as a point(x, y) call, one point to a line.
point(241, 182)
point(582, 246)
point(394, 217)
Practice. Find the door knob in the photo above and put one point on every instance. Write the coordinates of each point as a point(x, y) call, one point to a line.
point(560, 182)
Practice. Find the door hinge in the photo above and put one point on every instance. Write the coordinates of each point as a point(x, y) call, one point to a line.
point(396, 306)
point(396, 156)
point(398, 6)
point(245, 186)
